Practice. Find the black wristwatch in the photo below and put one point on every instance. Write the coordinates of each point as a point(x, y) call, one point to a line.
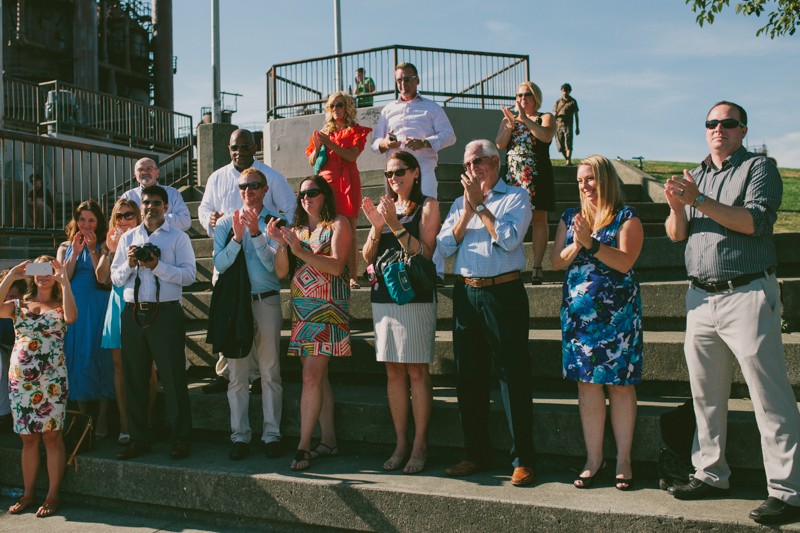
point(595, 246)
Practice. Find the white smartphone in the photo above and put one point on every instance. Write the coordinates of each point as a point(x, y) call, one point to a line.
point(38, 269)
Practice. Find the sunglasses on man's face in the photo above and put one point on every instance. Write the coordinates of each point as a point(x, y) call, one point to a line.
point(154, 203)
point(252, 185)
point(404, 79)
point(311, 193)
point(727, 123)
point(475, 162)
point(400, 172)
point(130, 215)
point(240, 147)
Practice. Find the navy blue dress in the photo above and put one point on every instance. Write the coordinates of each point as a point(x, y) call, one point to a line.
point(601, 314)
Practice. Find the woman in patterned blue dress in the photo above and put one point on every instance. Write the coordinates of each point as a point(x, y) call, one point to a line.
point(601, 313)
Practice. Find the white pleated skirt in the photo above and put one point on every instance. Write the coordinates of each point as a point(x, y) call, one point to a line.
point(404, 333)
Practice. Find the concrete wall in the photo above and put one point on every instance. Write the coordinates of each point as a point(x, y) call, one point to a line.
point(285, 140)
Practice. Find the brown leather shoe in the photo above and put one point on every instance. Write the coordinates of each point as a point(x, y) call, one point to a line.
point(464, 468)
point(523, 475)
point(132, 451)
point(180, 451)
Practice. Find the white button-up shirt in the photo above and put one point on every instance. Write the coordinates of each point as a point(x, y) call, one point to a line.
point(177, 215)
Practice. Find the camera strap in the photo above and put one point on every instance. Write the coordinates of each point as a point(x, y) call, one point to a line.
point(136, 284)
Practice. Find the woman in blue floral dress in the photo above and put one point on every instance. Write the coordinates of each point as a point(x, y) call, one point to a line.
point(601, 313)
point(38, 375)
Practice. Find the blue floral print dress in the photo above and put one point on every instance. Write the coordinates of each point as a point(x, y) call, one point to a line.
point(601, 314)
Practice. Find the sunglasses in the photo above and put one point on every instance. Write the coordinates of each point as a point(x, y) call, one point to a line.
point(240, 147)
point(154, 203)
point(400, 172)
point(523, 95)
point(130, 215)
point(404, 79)
point(727, 123)
point(475, 162)
point(337, 105)
point(311, 193)
point(252, 185)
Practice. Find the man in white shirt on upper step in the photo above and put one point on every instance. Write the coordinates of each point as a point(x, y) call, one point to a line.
point(146, 172)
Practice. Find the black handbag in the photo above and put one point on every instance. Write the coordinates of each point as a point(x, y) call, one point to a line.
point(422, 271)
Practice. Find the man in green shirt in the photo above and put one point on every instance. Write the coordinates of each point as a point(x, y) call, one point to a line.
point(364, 86)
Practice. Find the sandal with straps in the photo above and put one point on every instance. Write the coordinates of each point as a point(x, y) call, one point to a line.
point(536, 275)
point(48, 508)
point(328, 451)
point(302, 456)
point(22, 504)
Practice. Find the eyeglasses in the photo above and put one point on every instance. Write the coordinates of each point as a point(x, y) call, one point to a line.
point(311, 193)
point(240, 147)
point(404, 79)
point(727, 123)
point(154, 203)
point(142, 170)
point(128, 215)
point(337, 105)
point(523, 95)
point(475, 162)
point(252, 185)
point(400, 172)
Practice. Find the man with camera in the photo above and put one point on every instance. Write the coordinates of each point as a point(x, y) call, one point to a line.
point(159, 262)
point(244, 231)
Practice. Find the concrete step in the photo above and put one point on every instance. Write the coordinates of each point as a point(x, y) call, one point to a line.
point(352, 492)
point(664, 363)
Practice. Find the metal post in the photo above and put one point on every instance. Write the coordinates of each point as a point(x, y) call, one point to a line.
point(2, 76)
point(216, 116)
point(337, 30)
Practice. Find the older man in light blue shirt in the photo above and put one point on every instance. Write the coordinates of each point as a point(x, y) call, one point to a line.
point(484, 230)
point(245, 230)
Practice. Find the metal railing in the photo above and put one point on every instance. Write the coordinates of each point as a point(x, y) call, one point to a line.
point(454, 78)
point(70, 172)
point(56, 107)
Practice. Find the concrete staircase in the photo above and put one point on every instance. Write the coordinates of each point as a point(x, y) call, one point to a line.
point(352, 492)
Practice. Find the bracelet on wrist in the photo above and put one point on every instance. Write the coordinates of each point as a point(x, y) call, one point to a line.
point(595, 246)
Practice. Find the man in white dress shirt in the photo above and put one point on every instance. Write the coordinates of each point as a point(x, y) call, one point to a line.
point(147, 173)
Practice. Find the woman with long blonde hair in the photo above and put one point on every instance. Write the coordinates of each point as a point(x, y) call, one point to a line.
point(601, 313)
point(341, 140)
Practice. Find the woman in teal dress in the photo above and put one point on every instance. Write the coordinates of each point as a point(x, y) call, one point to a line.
point(90, 368)
point(601, 313)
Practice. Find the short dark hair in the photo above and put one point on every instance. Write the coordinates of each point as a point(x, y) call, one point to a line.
point(742, 112)
point(404, 65)
point(156, 190)
point(568, 87)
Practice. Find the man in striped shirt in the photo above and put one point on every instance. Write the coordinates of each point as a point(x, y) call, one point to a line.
point(726, 208)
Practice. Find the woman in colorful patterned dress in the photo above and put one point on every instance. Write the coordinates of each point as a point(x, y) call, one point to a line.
point(38, 375)
point(344, 140)
point(90, 367)
point(601, 313)
point(319, 242)
point(527, 136)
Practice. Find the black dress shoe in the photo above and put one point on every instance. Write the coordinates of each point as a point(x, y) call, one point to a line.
point(218, 384)
point(6, 423)
point(273, 449)
point(775, 511)
point(255, 386)
point(180, 451)
point(133, 450)
point(239, 451)
point(697, 490)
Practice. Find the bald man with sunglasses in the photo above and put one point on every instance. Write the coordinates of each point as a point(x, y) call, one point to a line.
point(725, 209)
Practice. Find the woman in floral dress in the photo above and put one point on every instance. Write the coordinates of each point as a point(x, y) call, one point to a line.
point(601, 314)
point(319, 242)
point(527, 136)
point(38, 375)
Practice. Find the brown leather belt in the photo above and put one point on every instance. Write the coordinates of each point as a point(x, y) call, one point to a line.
point(490, 282)
point(147, 306)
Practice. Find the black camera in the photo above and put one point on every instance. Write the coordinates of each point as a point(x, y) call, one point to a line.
point(146, 252)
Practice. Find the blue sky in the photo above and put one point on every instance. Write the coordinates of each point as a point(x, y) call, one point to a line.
point(642, 71)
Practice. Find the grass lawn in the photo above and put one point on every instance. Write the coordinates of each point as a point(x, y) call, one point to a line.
point(788, 215)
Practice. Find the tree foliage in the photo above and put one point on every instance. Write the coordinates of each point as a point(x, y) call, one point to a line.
point(783, 15)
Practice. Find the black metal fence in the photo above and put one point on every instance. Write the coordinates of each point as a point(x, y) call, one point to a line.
point(454, 78)
point(57, 107)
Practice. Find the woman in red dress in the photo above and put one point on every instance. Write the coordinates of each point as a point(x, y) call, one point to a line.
point(343, 140)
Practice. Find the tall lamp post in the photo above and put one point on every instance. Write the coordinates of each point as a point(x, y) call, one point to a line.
point(337, 30)
point(215, 66)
